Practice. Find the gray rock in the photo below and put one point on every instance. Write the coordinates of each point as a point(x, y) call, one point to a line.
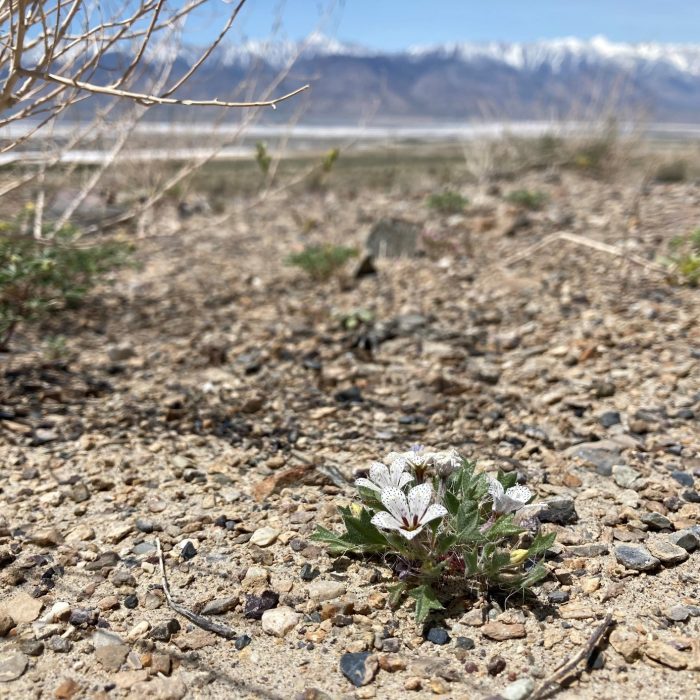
point(686, 539)
point(683, 478)
point(677, 613)
point(559, 509)
point(12, 666)
point(112, 656)
point(609, 418)
point(656, 521)
point(668, 552)
point(359, 668)
point(393, 238)
point(635, 556)
point(595, 549)
point(122, 351)
point(219, 606)
point(6, 624)
point(625, 477)
point(326, 590)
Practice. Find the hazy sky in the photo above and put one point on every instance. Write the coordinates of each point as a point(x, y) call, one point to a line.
point(396, 24)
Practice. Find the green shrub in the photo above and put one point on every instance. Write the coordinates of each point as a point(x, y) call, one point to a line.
point(528, 199)
point(683, 259)
point(672, 171)
point(321, 262)
point(262, 157)
point(447, 202)
point(37, 276)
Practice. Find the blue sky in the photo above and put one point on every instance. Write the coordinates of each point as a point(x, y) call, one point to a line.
point(396, 24)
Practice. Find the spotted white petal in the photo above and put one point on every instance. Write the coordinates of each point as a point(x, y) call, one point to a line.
point(404, 479)
point(385, 521)
point(410, 534)
point(520, 494)
point(495, 489)
point(394, 501)
point(366, 483)
point(419, 499)
point(396, 470)
point(432, 513)
point(379, 474)
point(393, 456)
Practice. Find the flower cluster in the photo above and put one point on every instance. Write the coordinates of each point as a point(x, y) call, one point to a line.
point(437, 521)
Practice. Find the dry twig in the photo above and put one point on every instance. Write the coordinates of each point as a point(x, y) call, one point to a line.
point(199, 620)
point(554, 681)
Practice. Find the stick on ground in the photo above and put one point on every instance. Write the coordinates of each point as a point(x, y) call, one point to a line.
point(553, 683)
point(202, 622)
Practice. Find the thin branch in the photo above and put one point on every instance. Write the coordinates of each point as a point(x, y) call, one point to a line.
point(553, 682)
point(202, 622)
point(151, 99)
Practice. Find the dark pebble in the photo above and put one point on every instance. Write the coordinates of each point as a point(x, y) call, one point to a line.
point(437, 635)
point(675, 450)
point(355, 668)
point(145, 525)
point(558, 597)
point(309, 573)
point(683, 478)
point(80, 616)
point(609, 418)
point(351, 395)
point(470, 667)
point(60, 645)
point(131, 601)
point(256, 605)
point(596, 661)
point(188, 551)
point(31, 647)
point(391, 645)
point(685, 414)
point(496, 665)
point(691, 496)
point(464, 643)
point(242, 642)
point(297, 545)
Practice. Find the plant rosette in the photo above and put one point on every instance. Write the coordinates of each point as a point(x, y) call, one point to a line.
point(444, 528)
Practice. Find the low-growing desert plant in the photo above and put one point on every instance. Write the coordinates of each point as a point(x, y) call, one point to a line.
point(447, 202)
point(672, 171)
point(39, 275)
point(683, 259)
point(321, 262)
point(262, 157)
point(528, 199)
point(446, 530)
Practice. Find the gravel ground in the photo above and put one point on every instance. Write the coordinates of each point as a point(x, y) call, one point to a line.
point(215, 399)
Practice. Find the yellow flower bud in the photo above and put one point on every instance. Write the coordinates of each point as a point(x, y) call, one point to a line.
point(518, 555)
point(356, 509)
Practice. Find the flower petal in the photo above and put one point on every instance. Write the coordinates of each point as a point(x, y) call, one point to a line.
point(419, 499)
point(395, 502)
point(404, 479)
point(379, 473)
point(393, 456)
point(410, 534)
point(433, 512)
point(398, 466)
point(385, 521)
point(522, 494)
point(495, 489)
point(366, 483)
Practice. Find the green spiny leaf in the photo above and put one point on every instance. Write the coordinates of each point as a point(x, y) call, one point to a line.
point(426, 600)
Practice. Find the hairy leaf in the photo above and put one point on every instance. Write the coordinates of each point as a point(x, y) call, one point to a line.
point(426, 600)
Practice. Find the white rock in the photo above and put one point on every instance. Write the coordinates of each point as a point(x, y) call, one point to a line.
point(255, 576)
point(326, 590)
point(279, 621)
point(59, 611)
point(264, 536)
point(139, 630)
point(518, 690)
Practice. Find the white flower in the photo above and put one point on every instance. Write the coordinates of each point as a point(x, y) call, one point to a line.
point(417, 456)
point(510, 501)
point(446, 462)
point(408, 515)
point(382, 477)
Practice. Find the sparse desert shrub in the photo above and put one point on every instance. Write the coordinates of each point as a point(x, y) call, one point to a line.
point(262, 157)
point(528, 199)
point(447, 202)
point(444, 529)
point(38, 275)
point(683, 259)
point(672, 171)
point(320, 262)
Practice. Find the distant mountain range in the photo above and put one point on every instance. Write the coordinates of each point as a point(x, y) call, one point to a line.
point(567, 79)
